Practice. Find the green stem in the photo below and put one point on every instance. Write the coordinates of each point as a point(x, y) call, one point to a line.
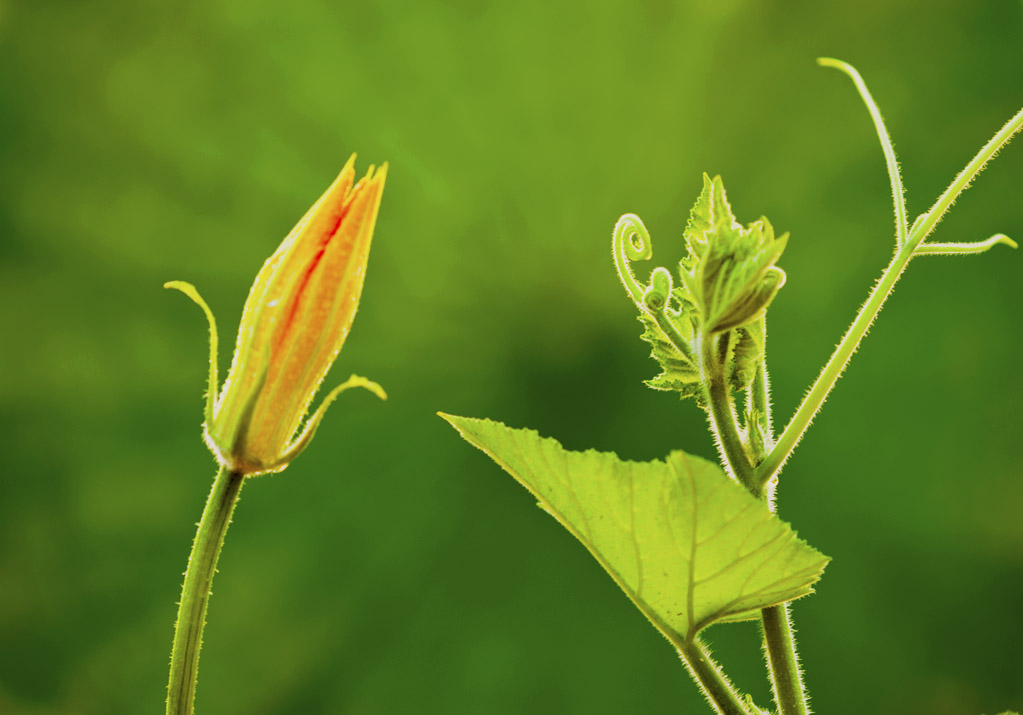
point(722, 416)
point(920, 230)
point(195, 593)
point(783, 662)
point(712, 680)
point(926, 223)
point(776, 622)
point(779, 643)
point(774, 461)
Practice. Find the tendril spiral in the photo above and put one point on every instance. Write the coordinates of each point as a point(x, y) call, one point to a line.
point(631, 242)
point(657, 295)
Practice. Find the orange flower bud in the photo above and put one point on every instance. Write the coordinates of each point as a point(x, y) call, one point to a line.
point(295, 320)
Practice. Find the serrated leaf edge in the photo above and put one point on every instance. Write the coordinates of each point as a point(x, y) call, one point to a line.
point(670, 633)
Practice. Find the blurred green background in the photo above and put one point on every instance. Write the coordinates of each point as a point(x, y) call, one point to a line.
point(393, 568)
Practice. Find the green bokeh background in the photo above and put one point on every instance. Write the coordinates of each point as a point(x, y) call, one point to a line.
point(394, 569)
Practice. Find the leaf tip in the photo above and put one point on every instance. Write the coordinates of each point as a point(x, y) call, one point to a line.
point(461, 424)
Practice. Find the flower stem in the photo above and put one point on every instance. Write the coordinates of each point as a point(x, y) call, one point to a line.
point(195, 593)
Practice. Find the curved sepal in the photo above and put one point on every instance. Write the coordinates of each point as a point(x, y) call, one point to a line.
point(211, 391)
point(302, 441)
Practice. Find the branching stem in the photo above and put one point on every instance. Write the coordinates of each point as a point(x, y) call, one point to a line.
point(921, 229)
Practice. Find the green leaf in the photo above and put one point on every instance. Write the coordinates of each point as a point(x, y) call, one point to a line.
point(711, 207)
point(677, 371)
point(687, 544)
point(729, 272)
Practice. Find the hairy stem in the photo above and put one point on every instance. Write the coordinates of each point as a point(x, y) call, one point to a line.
point(776, 622)
point(783, 662)
point(926, 223)
point(722, 417)
point(711, 679)
point(195, 593)
point(922, 227)
point(797, 426)
point(779, 643)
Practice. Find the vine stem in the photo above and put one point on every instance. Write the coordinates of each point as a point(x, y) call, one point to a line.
point(721, 411)
point(195, 593)
point(920, 230)
point(783, 661)
point(779, 642)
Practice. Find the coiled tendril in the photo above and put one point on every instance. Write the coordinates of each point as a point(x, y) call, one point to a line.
point(655, 298)
point(627, 248)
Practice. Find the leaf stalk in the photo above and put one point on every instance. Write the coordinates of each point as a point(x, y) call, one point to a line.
point(720, 693)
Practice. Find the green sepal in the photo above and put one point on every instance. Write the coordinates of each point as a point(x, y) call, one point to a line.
point(211, 389)
point(299, 444)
